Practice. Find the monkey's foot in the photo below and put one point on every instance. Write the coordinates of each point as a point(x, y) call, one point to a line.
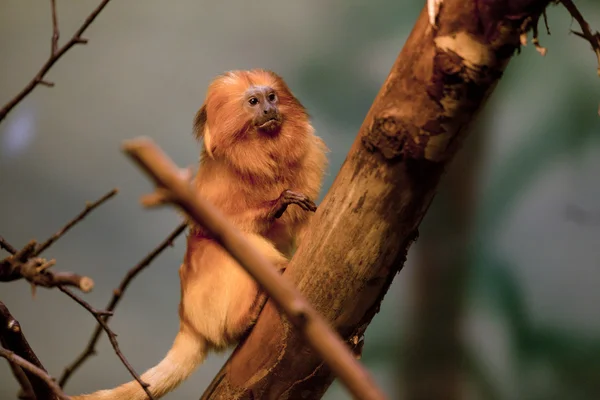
point(433, 9)
point(287, 198)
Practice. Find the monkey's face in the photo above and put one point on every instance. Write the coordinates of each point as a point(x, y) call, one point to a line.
point(262, 104)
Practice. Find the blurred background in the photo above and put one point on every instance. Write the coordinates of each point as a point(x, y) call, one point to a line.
point(499, 298)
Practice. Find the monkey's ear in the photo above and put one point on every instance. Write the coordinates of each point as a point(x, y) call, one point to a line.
point(200, 122)
point(201, 130)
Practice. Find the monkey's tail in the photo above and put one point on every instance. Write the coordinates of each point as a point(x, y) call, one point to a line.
point(186, 354)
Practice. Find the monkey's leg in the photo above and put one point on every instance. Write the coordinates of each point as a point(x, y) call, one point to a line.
point(287, 198)
point(243, 320)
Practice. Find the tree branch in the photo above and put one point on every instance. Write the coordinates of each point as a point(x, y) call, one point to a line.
point(586, 33)
point(26, 392)
point(100, 316)
point(22, 264)
point(55, 54)
point(13, 339)
point(55, 31)
point(89, 207)
point(112, 337)
point(90, 349)
point(25, 263)
point(313, 328)
point(29, 367)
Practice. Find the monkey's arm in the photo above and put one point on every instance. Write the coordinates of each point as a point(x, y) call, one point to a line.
point(262, 216)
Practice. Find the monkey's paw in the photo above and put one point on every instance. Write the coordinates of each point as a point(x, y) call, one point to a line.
point(287, 198)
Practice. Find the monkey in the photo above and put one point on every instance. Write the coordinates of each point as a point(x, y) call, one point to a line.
point(260, 156)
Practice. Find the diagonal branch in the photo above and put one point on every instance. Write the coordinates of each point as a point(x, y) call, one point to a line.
point(117, 294)
point(32, 369)
point(26, 392)
point(25, 263)
point(25, 258)
point(55, 55)
point(55, 31)
point(101, 317)
point(314, 328)
point(112, 337)
point(88, 209)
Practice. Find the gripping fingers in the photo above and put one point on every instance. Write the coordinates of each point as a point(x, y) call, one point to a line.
point(299, 199)
point(308, 205)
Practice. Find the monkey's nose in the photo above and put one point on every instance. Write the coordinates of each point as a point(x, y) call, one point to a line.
point(269, 110)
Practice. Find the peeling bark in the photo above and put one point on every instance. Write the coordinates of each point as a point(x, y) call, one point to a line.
point(363, 228)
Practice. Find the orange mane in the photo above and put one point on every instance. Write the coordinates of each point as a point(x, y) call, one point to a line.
point(228, 134)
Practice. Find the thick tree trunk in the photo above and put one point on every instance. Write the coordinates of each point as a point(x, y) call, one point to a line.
point(364, 226)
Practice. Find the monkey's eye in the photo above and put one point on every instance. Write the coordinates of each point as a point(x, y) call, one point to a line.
point(271, 97)
point(253, 101)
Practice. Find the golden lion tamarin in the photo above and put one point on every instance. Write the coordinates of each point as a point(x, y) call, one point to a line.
point(260, 156)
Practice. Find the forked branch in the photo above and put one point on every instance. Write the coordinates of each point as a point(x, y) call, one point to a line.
point(90, 349)
point(55, 54)
point(593, 38)
point(31, 250)
point(26, 264)
point(316, 330)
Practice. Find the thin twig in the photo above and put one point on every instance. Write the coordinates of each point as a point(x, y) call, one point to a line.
point(586, 33)
point(89, 207)
point(26, 392)
point(117, 295)
point(307, 320)
point(55, 31)
point(13, 339)
point(6, 246)
point(26, 365)
point(54, 57)
point(112, 337)
point(25, 263)
point(24, 256)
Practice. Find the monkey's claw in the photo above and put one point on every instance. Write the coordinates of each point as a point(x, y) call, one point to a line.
point(289, 197)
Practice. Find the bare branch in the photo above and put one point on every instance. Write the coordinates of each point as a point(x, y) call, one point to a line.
point(592, 38)
point(316, 330)
point(6, 246)
point(88, 208)
point(54, 56)
point(117, 294)
point(25, 263)
point(112, 337)
point(12, 338)
point(36, 271)
point(26, 365)
point(26, 392)
point(55, 31)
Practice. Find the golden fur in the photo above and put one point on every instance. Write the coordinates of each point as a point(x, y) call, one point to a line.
point(243, 172)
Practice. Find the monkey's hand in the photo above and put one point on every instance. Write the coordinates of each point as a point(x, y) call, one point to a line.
point(286, 198)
